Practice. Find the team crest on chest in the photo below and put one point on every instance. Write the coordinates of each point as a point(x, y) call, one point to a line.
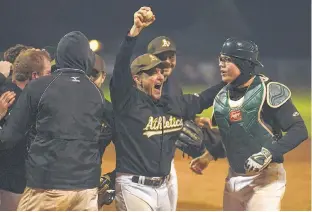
point(235, 115)
point(161, 124)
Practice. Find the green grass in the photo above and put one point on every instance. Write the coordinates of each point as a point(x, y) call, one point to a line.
point(301, 99)
point(303, 104)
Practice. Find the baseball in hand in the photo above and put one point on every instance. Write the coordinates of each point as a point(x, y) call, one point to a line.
point(149, 15)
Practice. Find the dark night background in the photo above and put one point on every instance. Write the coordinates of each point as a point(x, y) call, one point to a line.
point(281, 28)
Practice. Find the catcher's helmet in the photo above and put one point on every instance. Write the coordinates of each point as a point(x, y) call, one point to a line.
point(242, 49)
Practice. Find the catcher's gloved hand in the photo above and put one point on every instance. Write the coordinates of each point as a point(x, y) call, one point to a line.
point(106, 190)
point(190, 140)
point(257, 162)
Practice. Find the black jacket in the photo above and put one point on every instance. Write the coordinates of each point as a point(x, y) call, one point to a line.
point(107, 126)
point(2, 79)
point(66, 109)
point(146, 130)
point(12, 161)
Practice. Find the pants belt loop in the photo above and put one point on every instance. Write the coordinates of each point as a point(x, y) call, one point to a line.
point(141, 180)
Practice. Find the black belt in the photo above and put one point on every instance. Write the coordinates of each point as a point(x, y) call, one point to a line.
point(149, 181)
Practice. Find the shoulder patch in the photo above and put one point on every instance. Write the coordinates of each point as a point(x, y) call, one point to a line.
point(277, 94)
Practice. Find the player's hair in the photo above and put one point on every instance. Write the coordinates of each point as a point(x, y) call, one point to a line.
point(95, 74)
point(11, 54)
point(28, 62)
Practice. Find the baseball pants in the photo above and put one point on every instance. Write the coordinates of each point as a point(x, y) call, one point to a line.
point(261, 192)
point(173, 187)
point(132, 196)
point(59, 200)
point(9, 200)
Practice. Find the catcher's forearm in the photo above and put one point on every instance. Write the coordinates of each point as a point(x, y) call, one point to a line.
point(213, 142)
point(296, 134)
point(216, 151)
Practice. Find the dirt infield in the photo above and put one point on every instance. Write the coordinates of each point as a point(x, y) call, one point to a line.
point(205, 192)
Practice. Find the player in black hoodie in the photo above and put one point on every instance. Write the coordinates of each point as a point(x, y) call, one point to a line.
point(66, 108)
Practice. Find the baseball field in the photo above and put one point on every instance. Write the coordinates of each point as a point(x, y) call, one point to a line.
point(204, 192)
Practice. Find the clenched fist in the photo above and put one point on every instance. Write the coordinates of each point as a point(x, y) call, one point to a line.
point(141, 19)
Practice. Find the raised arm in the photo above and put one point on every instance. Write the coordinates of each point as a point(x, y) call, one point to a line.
point(122, 81)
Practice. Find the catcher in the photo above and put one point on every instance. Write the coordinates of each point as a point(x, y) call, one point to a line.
point(252, 112)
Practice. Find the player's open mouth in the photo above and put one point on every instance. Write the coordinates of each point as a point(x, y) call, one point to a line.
point(157, 87)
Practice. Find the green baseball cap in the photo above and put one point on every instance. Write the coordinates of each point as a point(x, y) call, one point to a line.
point(146, 62)
point(161, 44)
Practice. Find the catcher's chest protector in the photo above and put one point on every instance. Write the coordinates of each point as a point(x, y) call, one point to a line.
point(243, 133)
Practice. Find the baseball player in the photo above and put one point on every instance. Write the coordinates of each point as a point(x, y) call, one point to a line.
point(165, 49)
point(147, 124)
point(251, 112)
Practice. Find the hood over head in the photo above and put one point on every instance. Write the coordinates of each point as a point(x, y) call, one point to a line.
point(73, 51)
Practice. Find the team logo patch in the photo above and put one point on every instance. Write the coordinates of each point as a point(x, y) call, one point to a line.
point(165, 43)
point(75, 79)
point(295, 114)
point(152, 57)
point(235, 115)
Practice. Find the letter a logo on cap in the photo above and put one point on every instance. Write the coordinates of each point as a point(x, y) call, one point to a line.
point(165, 43)
point(152, 57)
